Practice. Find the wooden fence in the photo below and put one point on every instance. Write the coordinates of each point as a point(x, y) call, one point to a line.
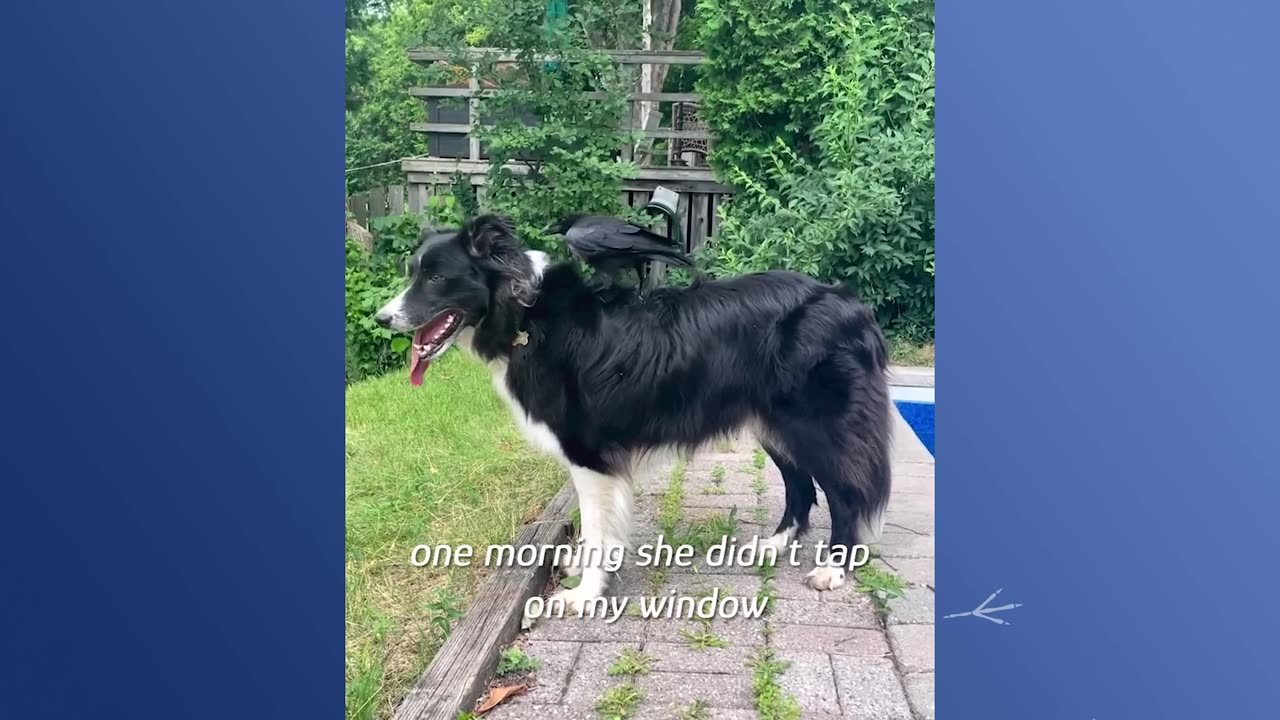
point(696, 212)
point(378, 202)
point(454, 150)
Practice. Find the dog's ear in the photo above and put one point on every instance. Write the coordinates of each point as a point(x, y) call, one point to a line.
point(491, 239)
point(486, 232)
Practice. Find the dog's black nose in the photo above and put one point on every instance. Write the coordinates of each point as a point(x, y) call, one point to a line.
point(383, 318)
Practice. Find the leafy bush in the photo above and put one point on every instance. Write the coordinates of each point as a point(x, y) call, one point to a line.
point(375, 276)
point(836, 179)
point(564, 144)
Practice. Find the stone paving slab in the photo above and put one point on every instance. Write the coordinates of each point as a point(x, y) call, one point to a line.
point(915, 607)
point(917, 571)
point(590, 675)
point(870, 689)
point(860, 642)
point(679, 657)
point(827, 614)
point(920, 694)
point(667, 691)
point(810, 679)
point(913, 647)
point(847, 657)
point(555, 660)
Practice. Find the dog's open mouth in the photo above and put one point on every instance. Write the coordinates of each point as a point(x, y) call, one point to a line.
point(431, 340)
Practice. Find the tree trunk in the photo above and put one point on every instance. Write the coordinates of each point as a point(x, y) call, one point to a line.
point(661, 20)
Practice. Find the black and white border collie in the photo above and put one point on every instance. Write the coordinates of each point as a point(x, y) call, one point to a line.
point(604, 381)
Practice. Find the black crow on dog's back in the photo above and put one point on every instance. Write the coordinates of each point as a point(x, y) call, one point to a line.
point(612, 246)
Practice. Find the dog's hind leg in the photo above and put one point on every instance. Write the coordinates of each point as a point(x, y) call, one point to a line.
point(856, 486)
point(801, 496)
point(605, 503)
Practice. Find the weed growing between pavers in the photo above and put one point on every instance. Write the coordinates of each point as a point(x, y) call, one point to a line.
point(514, 660)
point(704, 638)
point(758, 458)
point(696, 710)
point(631, 662)
point(880, 584)
point(702, 534)
point(768, 589)
point(772, 702)
point(717, 481)
point(619, 702)
point(671, 508)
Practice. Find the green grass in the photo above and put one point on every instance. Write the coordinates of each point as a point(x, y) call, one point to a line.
point(438, 464)
point(631, 662)
point(514, 660)
point(702, 534)
point(704, 638)
point(696, 710)
point(619, 702)
point(907, 352)
point(880, 584)
point(772, 702)
point(672, 505)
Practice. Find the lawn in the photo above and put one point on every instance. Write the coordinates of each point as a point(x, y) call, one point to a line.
point(441, 463)
point(906, 352)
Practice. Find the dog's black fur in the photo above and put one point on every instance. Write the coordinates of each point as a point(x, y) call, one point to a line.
point(615, 377)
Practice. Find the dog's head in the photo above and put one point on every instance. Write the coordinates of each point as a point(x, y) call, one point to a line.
point(459, 277)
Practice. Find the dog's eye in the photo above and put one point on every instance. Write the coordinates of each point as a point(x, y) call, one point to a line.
point(434, 278)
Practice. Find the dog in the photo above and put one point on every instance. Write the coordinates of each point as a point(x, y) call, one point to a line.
point(604, 382)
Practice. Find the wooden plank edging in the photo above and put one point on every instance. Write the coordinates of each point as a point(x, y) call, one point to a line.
point(462, 668)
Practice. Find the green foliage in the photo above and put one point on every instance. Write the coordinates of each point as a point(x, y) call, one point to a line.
point(619, 702)
point(702, 534)
point(444, 609)
point(514, 660)
point(880, 584)
point(373, 278)
point(826, 125)
point(703, 639)
point(696, 710)
point(631, 662)
point(564, 145)
point(772, 702)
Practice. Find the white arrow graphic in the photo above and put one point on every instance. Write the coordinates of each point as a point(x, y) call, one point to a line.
point(984, 612)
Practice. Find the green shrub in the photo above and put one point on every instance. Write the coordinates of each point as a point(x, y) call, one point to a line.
point(374, 277)
point(829, 143)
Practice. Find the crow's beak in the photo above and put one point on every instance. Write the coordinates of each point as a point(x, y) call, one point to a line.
point(549, 230)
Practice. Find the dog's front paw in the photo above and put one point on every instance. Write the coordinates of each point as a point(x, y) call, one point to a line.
point(576, 600)
point(825, 578)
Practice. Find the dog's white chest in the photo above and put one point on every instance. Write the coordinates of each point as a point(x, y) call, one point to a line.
point(538, 434)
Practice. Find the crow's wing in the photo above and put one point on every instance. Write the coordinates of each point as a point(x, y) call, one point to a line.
point(598, 235)
point(597, 243)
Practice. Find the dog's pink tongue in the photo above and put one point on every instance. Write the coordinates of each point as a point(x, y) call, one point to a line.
point(417, 365)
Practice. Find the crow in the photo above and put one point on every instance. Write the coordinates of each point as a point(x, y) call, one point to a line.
point(612, 246)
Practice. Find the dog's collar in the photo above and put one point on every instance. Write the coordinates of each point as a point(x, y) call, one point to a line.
point(522, 338)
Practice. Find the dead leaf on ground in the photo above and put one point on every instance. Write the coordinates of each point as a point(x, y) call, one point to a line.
point(498, 695)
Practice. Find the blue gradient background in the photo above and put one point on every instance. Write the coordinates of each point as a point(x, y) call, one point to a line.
point(1107, 259)
point(173, 356)
point(172, 348)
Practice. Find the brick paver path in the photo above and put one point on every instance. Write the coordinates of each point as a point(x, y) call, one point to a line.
point(847, 658)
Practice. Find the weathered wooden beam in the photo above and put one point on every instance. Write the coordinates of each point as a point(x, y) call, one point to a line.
point(446, 128)
point(462, 668)
point(650, 96)
point(681, 134)
point(646, 178)
point(623, 57)
point(457, 92)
